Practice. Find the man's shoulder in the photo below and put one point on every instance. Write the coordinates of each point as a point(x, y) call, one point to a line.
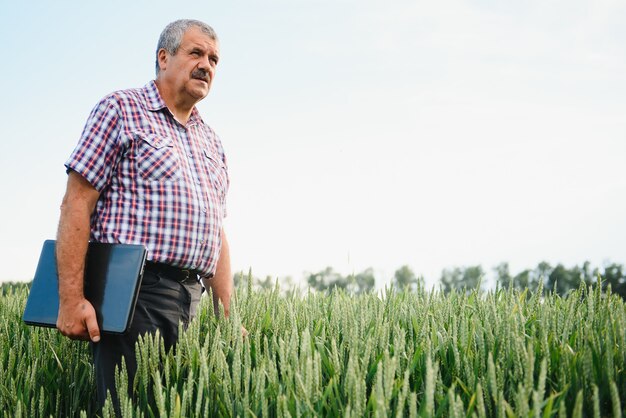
point(125, 97)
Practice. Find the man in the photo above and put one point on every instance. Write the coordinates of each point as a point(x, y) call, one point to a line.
point(148, 170)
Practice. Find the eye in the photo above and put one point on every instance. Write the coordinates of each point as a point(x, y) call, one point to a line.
point(213, 59)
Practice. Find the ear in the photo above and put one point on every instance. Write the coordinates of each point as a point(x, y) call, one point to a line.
point(162, 55)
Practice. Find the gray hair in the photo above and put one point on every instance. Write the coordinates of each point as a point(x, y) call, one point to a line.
point(173, 33)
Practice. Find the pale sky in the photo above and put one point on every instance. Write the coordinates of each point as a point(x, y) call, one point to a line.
point(359, 133)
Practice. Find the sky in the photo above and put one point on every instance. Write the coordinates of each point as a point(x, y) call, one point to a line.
point(359, 133)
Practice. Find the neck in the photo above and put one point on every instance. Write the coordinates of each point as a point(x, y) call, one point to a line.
point(180, 107)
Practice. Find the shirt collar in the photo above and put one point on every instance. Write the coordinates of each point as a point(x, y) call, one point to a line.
point(155, 102)
point(195, 117)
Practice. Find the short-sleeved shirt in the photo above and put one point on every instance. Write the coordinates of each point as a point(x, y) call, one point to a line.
point(161, 184)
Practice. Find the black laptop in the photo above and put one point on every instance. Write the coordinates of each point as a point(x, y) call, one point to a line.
point(113, 275)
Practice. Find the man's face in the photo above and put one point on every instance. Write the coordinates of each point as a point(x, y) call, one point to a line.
point(190, 71)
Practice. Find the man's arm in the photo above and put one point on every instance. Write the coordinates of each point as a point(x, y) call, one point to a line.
point(77, 317)
point(222, 283)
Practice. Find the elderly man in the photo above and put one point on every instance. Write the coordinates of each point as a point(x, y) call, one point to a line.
point(148, 170)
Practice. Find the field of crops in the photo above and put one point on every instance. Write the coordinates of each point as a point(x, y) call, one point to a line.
point(420, 353)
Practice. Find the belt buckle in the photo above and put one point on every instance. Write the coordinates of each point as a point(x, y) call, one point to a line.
point(185, 276)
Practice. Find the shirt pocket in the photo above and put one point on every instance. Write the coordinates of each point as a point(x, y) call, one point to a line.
point(156, 157)
point(217, 173)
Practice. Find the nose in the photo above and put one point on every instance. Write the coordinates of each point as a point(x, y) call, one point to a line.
point(203, 65)
point(204, 69)
point(206, 64)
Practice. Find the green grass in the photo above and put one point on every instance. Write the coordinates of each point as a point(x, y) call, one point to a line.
point(502, 353)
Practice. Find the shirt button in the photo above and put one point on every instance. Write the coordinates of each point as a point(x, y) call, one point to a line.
point(190, 155)
point(204, 210)
point(197, 181)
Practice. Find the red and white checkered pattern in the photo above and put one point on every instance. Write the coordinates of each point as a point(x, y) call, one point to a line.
point(161, 184)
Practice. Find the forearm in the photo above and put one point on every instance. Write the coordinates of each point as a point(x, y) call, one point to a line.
point(222, 283)
point(77, 318)
point(71, 248)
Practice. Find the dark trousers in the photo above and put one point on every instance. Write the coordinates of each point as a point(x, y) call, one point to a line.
point(162, 304)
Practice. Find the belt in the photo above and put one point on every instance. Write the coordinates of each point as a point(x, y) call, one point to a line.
point(175, 273)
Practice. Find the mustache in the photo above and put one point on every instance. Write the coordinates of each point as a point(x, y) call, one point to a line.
point(201, 74)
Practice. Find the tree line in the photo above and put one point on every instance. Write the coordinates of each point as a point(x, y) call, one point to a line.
point(558, 279)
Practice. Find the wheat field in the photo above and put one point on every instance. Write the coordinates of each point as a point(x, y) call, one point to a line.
point(502, 353)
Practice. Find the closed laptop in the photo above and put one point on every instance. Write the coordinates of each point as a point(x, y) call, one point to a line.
point(113, 275)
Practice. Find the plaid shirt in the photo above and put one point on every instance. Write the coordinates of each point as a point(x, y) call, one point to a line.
point(161, 184)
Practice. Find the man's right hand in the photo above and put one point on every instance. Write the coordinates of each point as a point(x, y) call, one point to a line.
point(77, 320)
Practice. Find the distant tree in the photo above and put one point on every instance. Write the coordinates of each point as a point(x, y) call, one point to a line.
point(327, 279)
point(588, 275)
point(267, 283)
point(9, 287)
point(241, 278)
point(319, 280)
point(563, 280)
point(541, 273)
point(615, 276)
point(451, 279)
point(526, 279)
point(404, 278)
point(362, 282)
point(472, 276)
point(503, 276)
point(461, 278)
point(530, 279)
